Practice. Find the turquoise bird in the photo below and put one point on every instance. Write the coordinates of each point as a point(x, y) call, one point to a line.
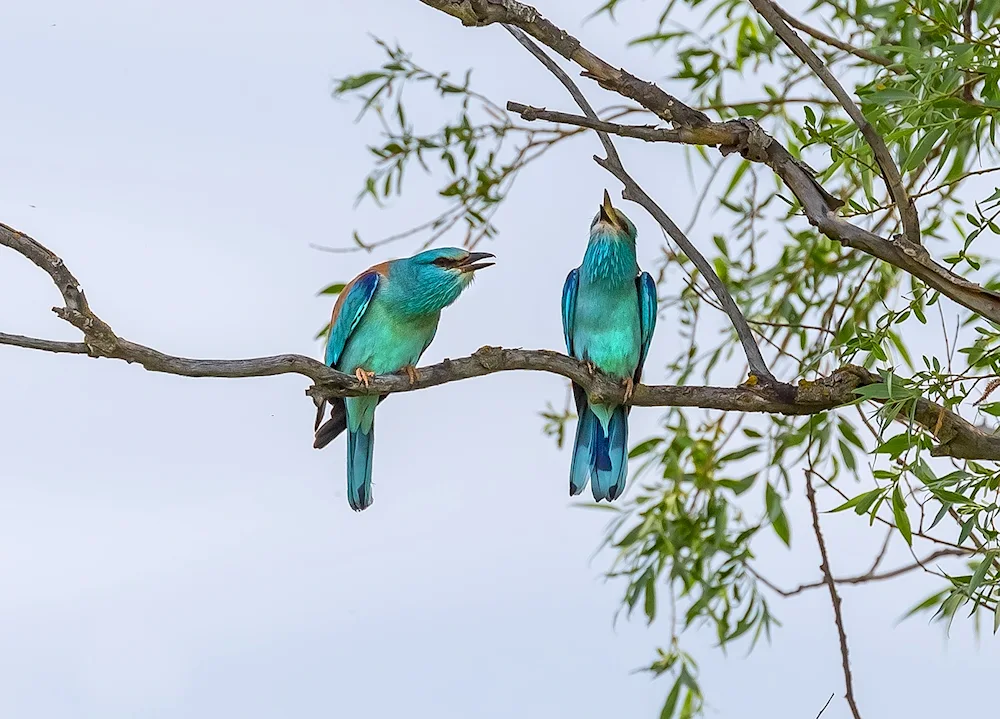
point(382, 322)
point(608, 316)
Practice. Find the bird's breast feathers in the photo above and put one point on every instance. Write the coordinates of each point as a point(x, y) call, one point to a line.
point(606, 329)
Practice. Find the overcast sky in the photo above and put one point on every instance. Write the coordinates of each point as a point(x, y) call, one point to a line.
point(174, 547)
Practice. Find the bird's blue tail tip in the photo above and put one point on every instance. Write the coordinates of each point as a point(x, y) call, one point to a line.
point(360, 446)
point(611, 457)
point(600, 457)
point(583, 451)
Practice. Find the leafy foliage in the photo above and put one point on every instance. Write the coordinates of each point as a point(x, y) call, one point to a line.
point(480, 151)
point(709, 486)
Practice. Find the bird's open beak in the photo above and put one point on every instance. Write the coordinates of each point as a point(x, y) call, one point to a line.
point(608, 211)
point(472, 262)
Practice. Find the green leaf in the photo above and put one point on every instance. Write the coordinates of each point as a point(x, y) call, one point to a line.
point(775, 512)
point(966, 529)
point(848, 456)
point(895, 446)
point(737, 176)
point(940, 515)
point(992, 408)
point(925, 604)
point(335, 289)
point(671, 703)
point(980, 574)
point(772, 501)
point(922, 149)
point(873, 391)
point(356, 81)
point(848, 433)
point(889, 96)
point(923, 472)
point(856, 501)
point(739, 486)
point(781, 528)
point(644, 447)
point(948, 496)
point(739, 454)
point(869, 499)
point(900, 516)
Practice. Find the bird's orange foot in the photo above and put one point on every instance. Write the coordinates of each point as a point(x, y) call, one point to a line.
point(364, 377)
point(411, 372)
point(629, 388)
point(591, 368)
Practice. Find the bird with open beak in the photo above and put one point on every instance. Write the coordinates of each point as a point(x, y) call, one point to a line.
point(608, 313)
point(382, 322)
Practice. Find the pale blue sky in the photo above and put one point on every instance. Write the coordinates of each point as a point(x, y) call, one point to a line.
point(174, 548)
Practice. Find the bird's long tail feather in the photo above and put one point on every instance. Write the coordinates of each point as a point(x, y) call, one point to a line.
point(610, 466)
point(360, 444)
point(599, 456)
point(583, 449)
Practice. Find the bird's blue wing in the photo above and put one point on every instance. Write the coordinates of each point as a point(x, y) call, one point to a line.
point(569, 307)
point(348, 312)
point(647, 316)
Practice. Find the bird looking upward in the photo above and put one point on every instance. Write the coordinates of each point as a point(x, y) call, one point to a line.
point(382, 322)
point(608, 314)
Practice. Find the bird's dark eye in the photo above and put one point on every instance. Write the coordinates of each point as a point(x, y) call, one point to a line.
point(443, 262)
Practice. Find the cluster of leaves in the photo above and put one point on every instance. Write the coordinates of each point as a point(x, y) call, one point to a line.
point(686, 531)
point(479, 152)
point(968, 495)
point(927, 76)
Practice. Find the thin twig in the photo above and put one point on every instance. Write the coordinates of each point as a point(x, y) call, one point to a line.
point(882, 552)
point(870, 575)
point(834, 598)
point(834, 42)
point(33, 343)
point(825, 706)
point(649, 133)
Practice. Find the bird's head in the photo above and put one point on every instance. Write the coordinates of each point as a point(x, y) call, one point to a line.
point(433, 279)
point(611, 223)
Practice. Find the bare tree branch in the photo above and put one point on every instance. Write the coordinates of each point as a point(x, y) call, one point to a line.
point(649, 133)
point(970, 77)
point(567, 82)
point(528, 19)
point(890, 173)
point(869, 576)
point(834, 597)
point(834, 42)
point(956, 437)
point(31, 343)
point(613, 164)
point(745, 137)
